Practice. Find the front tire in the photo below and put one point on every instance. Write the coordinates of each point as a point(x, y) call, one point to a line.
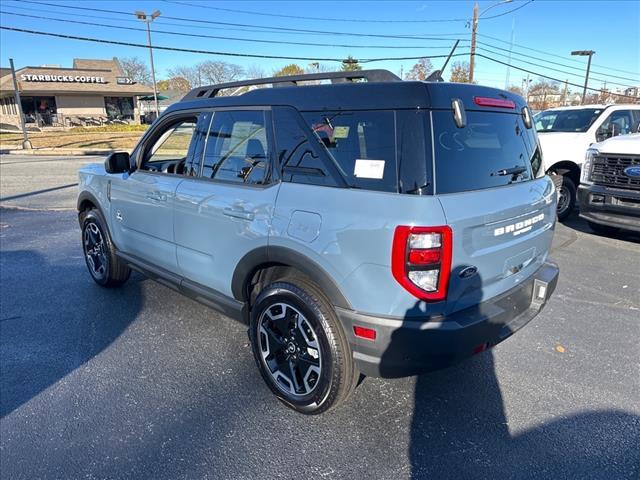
point(566, 195)
point(300, 347)
point(106, 269)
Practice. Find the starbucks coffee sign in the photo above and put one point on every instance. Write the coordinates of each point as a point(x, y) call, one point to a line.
point(62, 78)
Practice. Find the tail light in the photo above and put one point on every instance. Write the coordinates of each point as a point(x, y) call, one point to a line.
point(421, 260)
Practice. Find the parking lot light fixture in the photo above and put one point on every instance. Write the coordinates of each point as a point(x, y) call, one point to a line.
point(148, 18)
point(584, 53)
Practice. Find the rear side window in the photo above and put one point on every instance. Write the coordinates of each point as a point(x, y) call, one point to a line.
point(479, 155)
point(361, 143)
point(237, 147)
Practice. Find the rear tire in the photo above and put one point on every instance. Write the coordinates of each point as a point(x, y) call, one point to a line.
point(603, 229)
point(106, 269)
point(300, 347)
point(566, 195)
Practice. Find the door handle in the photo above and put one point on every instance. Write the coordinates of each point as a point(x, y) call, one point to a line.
point(157, 196)
point(243, 214)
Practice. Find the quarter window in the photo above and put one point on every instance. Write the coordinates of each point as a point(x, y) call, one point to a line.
point(237, 147)
point(362, 145)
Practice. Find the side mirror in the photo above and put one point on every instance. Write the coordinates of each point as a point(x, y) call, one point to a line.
point(117, 162)
point(602, 134)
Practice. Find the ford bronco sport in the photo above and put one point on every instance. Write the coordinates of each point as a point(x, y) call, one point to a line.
point(364, 226)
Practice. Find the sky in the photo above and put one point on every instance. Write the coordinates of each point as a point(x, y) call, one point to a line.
point(545, 29)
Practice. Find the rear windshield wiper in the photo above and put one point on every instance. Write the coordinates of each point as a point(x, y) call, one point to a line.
point(515, 171)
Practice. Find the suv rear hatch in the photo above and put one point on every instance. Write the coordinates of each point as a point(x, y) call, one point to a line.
point(501, 212)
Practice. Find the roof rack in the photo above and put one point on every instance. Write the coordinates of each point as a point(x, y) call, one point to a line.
point(211, 91)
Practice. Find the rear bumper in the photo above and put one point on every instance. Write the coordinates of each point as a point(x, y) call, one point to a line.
point(409, 347)
point(613, 207)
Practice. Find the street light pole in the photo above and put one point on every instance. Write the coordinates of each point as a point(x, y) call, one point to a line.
point(148, 19)
point(584, 53)
point(474, 31)
point(26, 144)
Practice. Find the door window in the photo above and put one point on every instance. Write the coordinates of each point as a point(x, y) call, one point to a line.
point(168, 149)
point(618, 123)
point(237, 147)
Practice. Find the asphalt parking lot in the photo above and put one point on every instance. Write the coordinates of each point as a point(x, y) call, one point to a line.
point(141, 382)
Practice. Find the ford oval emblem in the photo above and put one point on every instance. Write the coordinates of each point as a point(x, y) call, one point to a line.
point(633, 172)
point(468, 272)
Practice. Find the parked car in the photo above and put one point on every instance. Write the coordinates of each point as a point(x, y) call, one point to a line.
point(381, 227)
point(565, 135)
point(610, 190)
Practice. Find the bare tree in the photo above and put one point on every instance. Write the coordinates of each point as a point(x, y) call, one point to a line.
point(190, 74)
point(209, 72)
point(135, 69)
point(213, 71)
point(255, 71)
point(460, 72)
point(515, 89)
point(543, 94)
point(420, 71)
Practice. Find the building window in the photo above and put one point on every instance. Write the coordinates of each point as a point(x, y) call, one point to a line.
point(39, 110)
point(120, 108)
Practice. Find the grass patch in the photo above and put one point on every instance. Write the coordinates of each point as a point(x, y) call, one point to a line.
point(91, 139)
point(111, 128)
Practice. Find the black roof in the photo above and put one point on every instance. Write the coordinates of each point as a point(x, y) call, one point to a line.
point(387, 94)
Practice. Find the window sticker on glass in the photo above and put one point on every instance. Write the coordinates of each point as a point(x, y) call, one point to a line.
point(340, 132)
point(369, 169)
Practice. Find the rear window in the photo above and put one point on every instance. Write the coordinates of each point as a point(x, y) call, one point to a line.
point(484, 152)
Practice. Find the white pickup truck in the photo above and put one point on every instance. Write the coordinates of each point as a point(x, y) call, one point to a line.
point(565, 135)
point(610, 190)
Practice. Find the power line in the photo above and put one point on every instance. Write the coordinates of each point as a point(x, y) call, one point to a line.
point(552, 54)
point(211, 22)
point(556, 69)
point(550, 78)
point(581, 68)
point(209, 52)
point(285, 30)
point(507, 12)
point(251, 40)
point(323, 19)
point(330, 19)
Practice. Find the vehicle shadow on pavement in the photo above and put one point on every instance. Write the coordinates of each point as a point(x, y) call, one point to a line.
point(579, 224)
point(44, 336)
point(459, 428)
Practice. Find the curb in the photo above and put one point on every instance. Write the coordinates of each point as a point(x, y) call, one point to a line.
point(53, 151)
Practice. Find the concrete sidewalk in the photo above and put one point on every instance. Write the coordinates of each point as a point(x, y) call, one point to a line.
point(17, 150)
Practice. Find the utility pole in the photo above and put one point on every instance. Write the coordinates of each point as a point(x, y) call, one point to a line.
point(584, 53)
point(148, 19)
point(474, 29)
point(564, 94)
point(26, 144)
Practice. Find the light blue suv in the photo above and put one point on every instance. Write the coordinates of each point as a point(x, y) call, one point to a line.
point(359, 224)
